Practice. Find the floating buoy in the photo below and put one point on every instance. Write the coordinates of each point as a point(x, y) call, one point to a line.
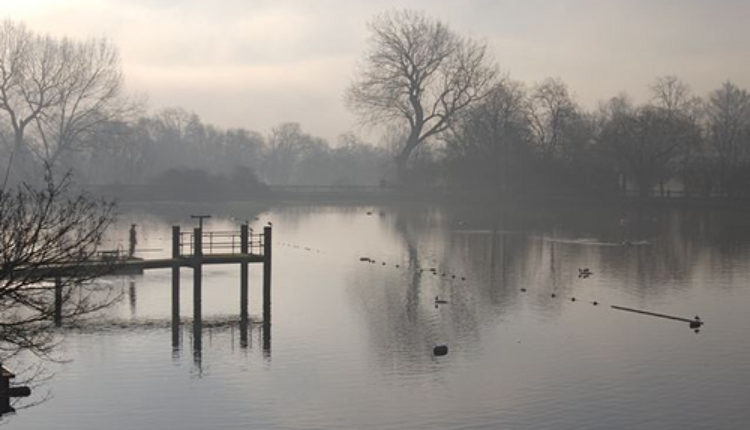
point(595, 303)
point(523, 290)
point(383, 263)
point(440, 350)
point(572, 299)
point(463, 279)
point(397, 266)
point(553, 295)
point(453, 276)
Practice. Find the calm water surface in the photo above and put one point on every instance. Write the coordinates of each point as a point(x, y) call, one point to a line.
point(351, 342)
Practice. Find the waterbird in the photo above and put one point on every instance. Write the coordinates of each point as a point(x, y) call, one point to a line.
point(584, 273)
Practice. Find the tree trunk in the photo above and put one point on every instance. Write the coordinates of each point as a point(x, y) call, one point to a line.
point(402, 159)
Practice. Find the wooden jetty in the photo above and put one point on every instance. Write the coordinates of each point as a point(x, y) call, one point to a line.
point(190, 249)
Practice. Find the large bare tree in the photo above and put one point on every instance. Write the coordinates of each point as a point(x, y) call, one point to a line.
point(55, 92)
point(420, 74)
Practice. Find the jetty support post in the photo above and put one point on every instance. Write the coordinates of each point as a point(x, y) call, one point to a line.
point(197, 286)
point(58, 301)
point(244, 249)
point(267, 275)
point(175, 285)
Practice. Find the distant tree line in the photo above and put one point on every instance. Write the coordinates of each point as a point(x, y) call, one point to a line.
point(539, 140)
point(452, 122)
point(62, 106)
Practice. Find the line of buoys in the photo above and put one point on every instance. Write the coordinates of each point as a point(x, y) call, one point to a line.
point(432, 270)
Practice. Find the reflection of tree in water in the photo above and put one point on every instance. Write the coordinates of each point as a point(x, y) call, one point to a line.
point(502, 253)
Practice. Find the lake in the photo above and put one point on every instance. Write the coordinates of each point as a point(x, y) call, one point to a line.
point(351, 342)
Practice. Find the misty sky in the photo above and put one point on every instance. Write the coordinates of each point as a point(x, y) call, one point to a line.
point(256, 63)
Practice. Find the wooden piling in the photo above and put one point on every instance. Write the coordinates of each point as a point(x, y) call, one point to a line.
point(267, 274)
point(266, 339)
point(197, 279)
point(58, 301)
point(175, 285)
point(244, 236)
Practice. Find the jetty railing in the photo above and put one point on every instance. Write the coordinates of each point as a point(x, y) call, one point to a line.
point(221, 242)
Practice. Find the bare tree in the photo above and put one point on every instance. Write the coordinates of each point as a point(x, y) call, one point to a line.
point(671, 94)
point(673, 97)
point(420, 74)
point(287, 146)
point(645, 140)
point(55, 92)
point(729, 131)
point(490, 141)
point(42, 228)
point(552, 114)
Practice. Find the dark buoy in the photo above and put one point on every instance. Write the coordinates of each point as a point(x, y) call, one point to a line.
point(453, 276)
point(553, 295)
point(572, 299)
point(463, 279)
point(523, 290)
point(594, 303)
point(440, 350)
point(384, 263)
point(397, 266)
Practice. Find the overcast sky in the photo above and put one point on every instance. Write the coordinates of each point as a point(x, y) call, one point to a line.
point(256, 63)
